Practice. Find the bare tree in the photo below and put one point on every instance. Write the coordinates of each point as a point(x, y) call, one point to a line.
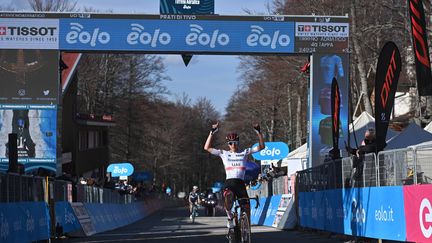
point(52, 5)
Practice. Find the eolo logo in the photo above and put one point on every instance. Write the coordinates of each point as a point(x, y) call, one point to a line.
point(425, 218)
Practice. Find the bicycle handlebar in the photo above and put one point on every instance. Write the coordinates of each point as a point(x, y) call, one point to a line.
point(253, 198)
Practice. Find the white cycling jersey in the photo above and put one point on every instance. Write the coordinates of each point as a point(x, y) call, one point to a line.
point(234, 162)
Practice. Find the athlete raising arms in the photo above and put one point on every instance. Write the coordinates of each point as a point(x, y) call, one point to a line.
point(234, 161)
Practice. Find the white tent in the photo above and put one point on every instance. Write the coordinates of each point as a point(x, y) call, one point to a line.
point(298, 153)
point(411, 135)
point(360, 125)
point(296, 159)
point(428, 127)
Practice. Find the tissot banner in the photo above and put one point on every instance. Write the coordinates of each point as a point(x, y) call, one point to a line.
point(386, 80)
point(421, 48)
point(29, 33)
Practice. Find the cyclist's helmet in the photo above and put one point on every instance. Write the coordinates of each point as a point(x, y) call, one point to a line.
point(232, 137)
point(195, 188)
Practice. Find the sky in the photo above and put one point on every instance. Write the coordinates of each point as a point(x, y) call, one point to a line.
point(212, 76)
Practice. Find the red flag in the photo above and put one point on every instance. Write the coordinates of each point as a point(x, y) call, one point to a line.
point(420, 47)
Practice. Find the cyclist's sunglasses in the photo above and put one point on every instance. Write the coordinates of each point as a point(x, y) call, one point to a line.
point(233, 142)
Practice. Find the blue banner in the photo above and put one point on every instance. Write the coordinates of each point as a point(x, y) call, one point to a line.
point(272, 210)
point(121, 169)
point(24, 222)
point(322, 210)
point(181, 36)
point(272, 151)
point(110, 216)
point(65, 217)
point(258, 214)
point(142, 176)
point(375, 212)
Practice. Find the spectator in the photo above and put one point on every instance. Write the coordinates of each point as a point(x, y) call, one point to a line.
point(367, 146)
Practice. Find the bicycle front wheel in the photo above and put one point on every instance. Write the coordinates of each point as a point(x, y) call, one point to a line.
point(245, 228)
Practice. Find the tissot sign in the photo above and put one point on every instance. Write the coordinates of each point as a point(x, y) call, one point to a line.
point(29, 33)
point(174, 33)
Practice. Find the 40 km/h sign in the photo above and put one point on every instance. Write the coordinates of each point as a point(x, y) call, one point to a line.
point(272, 151)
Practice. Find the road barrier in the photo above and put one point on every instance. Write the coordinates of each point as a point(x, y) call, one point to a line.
point(383, 196)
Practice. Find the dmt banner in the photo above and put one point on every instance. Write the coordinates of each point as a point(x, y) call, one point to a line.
point(418, 212)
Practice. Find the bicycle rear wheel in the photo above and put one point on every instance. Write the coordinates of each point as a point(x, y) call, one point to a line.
point(194, 212)
point(245, 229)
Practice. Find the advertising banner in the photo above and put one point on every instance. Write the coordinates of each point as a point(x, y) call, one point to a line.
point(35, 126)
point(418, 212)
point(370, 213)
point(29, 76)
point(335, 111)
point(272, 151)
point(272, 210)
point(257, 217)
point(322, 210)
point(325, 68)
point(65, 217)
point(386, 80)
point(179, 29)
point(186, 35)
point(120, 169)
point(420, 47)
point(323, 35)
point(39, 34)
point(187, 6)
point(24, 222)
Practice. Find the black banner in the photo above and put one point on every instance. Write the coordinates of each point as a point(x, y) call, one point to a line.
point(29, 77)
point(386, 80)
point(335, 111)
point(420, 47)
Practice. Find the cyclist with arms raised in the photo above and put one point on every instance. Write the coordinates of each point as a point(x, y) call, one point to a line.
point(234, 161)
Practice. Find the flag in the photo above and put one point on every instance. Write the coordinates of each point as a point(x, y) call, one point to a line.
point(420, 47)
point(386, 80)
point(335, 111)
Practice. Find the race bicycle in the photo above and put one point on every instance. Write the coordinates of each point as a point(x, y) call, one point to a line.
point(241, 233)
point(194, 212)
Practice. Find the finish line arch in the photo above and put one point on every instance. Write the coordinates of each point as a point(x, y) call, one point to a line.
point(324, 38)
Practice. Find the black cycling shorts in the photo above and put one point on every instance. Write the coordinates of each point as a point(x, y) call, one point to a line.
point(238, 187)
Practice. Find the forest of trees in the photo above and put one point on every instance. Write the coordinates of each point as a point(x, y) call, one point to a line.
point(167, 137)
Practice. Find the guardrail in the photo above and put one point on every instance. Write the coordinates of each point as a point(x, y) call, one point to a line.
point(388, 168)
point(21, 188)
point(91, 194)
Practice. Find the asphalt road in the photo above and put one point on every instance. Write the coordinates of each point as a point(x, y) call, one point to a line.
point(173, 225)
